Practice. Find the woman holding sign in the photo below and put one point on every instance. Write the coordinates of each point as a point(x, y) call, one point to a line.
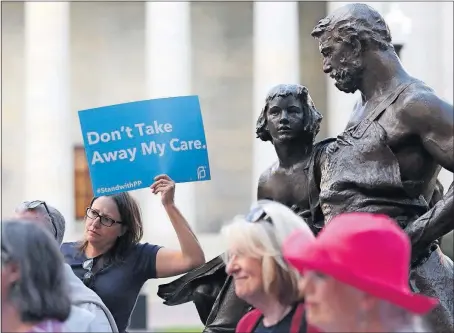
point(111, 261)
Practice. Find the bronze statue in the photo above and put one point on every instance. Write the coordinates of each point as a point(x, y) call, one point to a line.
point(398, 137)
point(290, 122)
point(387, 161)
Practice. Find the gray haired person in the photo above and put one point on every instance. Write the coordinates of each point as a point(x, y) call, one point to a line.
point(35, 295)
point(88, 312)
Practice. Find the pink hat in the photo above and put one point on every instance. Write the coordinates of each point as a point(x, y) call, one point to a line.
point(367, 251)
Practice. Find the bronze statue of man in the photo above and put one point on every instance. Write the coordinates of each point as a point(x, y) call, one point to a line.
point(397, 139)
point(291, 122)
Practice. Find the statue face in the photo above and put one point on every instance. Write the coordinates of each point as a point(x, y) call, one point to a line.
point(285, 118)
point(340, 62)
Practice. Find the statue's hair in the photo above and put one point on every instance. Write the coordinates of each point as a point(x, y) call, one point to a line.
point(358, 22)
point(312, 118)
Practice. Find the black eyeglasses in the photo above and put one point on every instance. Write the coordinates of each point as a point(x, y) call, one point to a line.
point(257, 214)
point(89, 275)
point(105, 220)
point(36, 203)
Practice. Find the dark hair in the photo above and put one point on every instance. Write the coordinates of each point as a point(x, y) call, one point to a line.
point(41, 293)
point(358, 22)
point(312, 117)
point(131, 219)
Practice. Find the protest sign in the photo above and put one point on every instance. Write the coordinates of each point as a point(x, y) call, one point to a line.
point(127, 145)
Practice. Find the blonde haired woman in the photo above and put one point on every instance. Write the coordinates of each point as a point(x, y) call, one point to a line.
point(261, 276)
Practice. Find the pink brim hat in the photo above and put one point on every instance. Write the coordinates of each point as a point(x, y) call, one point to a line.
point(318, 256)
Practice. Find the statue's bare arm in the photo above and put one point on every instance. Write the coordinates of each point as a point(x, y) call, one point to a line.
point(262, 191)
point(432, 120)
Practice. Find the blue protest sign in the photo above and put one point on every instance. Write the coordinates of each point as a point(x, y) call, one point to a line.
point(127, 145)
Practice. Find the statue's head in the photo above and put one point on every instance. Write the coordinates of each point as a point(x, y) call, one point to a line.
point(289, 115)
point(345, 38)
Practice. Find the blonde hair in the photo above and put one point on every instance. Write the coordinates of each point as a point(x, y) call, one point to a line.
point(263, 240)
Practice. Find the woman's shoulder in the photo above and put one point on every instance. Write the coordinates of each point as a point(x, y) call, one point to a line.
point(69, 247)
point(71, 252)
point(142, 257)
point(144, 249)
point(249, 321)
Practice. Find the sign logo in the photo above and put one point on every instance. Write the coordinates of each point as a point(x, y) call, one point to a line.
point(201, 173)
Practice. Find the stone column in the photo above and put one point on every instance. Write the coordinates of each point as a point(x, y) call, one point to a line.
point(446, 50)
point(168, 69)
point(422, 54)
point(1, 187)
point(48, 165)
point(276, 60)
point(446, 177)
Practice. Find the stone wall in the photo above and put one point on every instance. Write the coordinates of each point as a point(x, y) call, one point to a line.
point(222, 77)
point(13, 104)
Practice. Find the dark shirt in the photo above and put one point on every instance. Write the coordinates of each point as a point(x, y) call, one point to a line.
point(280, 327)
point(118, 284)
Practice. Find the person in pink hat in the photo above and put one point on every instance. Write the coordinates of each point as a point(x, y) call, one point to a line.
point(355, 276)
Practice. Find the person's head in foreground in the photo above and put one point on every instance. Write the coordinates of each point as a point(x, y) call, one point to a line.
point(39, 211)
point(261, 275)
point(34, 292)
point(355, 276)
